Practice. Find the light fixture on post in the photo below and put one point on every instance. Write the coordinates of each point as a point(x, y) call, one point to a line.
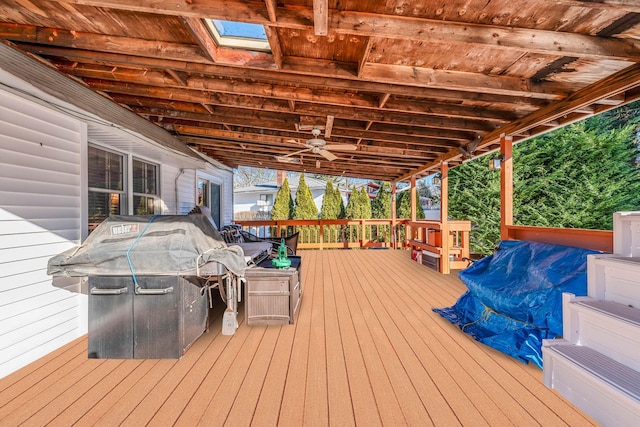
point(496, 162)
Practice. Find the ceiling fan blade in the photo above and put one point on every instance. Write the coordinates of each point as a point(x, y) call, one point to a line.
point(295, 141)
point(289, 160)
point(295, 152)
point(341, 147)
point(327, 155)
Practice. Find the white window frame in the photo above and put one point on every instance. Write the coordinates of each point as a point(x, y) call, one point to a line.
point(126, 194)
point(156, 197)
point(217, 181)
point(124, 199)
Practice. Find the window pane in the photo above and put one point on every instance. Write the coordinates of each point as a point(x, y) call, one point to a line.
point(105, 169)
point(101, 205)
point(203, 192)
point(143, 205)
point(144, 177)
point(215, 203)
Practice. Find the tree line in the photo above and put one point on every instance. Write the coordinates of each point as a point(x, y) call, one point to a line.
point(359, 205)
point(574, 177)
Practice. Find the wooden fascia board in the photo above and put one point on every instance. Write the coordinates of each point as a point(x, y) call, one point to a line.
point(613, 85)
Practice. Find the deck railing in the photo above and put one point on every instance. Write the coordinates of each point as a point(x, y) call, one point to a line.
point(417, 235)
point(330, 233)
point(373, 233)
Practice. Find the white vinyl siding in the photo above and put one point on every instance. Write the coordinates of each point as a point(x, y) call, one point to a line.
point(41, 206)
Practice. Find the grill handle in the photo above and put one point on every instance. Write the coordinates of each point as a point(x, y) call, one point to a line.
point(163, 291)
point(101, 291)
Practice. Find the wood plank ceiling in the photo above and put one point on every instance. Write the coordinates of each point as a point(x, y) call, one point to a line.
point(409, 83)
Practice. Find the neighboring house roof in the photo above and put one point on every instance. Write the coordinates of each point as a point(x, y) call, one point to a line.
point(312, 183)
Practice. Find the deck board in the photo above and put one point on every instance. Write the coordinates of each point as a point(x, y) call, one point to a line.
point(366, 349)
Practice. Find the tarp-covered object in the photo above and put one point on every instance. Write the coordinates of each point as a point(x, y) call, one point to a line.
point(148, 245)
point(514, 297)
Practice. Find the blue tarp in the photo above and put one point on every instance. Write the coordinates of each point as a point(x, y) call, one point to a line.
point(514, 297)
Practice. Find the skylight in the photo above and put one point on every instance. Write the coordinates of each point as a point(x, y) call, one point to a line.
point(240, 35)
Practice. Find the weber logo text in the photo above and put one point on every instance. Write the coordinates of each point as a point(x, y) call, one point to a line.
point(116, 230)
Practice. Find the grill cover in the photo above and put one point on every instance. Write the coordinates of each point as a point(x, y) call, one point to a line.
point(148, 245)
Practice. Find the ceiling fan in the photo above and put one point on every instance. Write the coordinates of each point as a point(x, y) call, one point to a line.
point(319, 146)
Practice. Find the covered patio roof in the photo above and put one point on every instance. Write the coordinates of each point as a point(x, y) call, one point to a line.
point(365, 349)
point(400, 86)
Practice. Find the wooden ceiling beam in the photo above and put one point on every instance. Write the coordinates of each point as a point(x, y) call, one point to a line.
point(98, 42)
point(411, 76)
point(498, 37)
point(214, 97)
point(400, 163)
point(622, 5)
point(308, 166)
point(288, 74)
point(457, 80)
point(190, 53)
point(320, 17)
point(397, 27)
point(416, 141)
point(283, 146)
point(226, 147)
point(202, 36)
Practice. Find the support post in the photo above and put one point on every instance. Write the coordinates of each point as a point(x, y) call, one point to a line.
point(394, 241)
point(444, 218)
point(413, 198)
point(506, 185)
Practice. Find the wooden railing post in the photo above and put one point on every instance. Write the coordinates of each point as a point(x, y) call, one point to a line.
point(506, 186)
point(444, 218)
point(394, 237)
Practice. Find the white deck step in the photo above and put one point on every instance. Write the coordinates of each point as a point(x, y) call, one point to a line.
point(608, 327)
point(619, 311)
point(614, 278)
point(605, 389)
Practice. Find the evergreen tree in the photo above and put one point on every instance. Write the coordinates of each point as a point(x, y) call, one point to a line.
point(575, 177)
point(283, 204)
point(381, 209)
point(381, 205)
point(365, 204)
point(474, 195)
point(403, 206)
point(351, 210)
point(358, 206)
point(330, 207)
point(305, 207)
point(343, 210)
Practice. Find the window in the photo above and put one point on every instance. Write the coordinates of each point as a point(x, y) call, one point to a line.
point(106, 185)
point(145, 187)
point(209, 194)
point(267, 199)
point(239, 35)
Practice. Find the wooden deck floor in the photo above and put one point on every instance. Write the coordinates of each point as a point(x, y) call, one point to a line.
point(366, 350)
